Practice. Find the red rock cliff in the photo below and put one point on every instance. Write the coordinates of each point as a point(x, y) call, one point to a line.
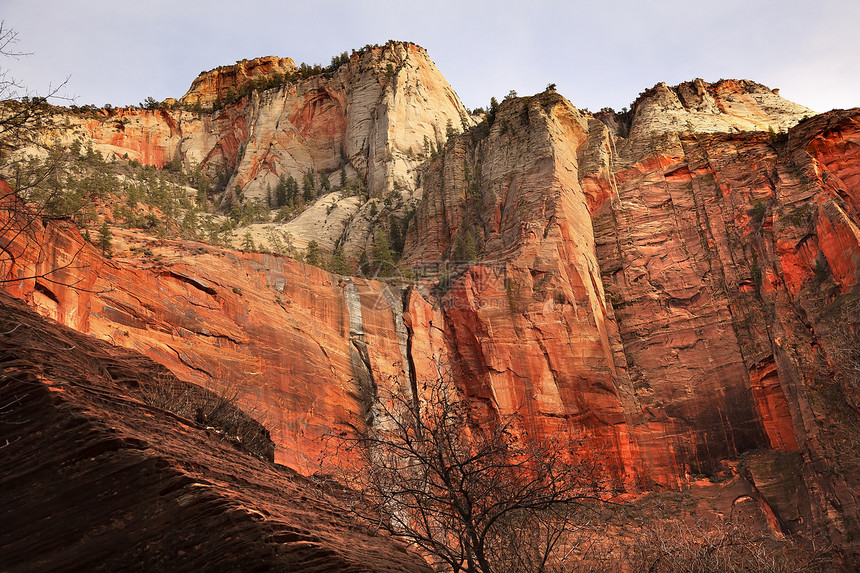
point(683, 297)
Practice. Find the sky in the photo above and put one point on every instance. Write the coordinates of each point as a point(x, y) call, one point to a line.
point(599, 54)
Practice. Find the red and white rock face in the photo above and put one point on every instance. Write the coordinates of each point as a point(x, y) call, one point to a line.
point(668, 297)
point(218, 84)
point(375, 116)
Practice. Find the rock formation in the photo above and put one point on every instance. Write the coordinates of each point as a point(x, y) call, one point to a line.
point(375, 117)
point(224, 83)
point(675, 285)
point(683, 297)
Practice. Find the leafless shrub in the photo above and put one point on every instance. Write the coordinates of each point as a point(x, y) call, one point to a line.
point(727, 547)
point(219, 411)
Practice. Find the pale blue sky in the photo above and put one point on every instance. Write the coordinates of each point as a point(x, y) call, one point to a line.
point(598, 53)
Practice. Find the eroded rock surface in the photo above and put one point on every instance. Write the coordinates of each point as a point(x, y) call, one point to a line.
point(375, 118)
point(95, 478)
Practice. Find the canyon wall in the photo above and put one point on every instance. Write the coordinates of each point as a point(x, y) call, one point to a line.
point(280, 333)
point(689, 295)
point(674, 286)
point(693, 290)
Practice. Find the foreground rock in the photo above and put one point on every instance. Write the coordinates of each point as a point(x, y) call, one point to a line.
point(95, 479)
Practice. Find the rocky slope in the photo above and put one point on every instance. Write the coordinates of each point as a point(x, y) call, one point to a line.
point(95, 478)
point(675, 285)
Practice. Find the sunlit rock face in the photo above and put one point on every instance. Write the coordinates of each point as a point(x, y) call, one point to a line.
point(376, 116)
point(276, 331)
point(674, 286)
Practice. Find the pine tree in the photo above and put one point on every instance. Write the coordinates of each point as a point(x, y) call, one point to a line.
point(395, 236)
point(105, 243)
point(189, 223)
point(312, 255)
point(338, 263)
point(281, 197)
point(308, 190)
point(381, 247)
point(364, 264)
point(492, 111)
point(471, 248)
point(292, 191)
point(248, 242)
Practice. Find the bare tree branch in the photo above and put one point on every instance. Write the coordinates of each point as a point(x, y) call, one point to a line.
point(476, 495)
point(23, 116)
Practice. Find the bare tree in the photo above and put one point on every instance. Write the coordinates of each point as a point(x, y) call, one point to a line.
point(474, 493)
point(24, 115)
point(24, 112)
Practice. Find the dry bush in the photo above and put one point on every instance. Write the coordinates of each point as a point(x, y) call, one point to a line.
point(217, 410)
point(725, 547)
